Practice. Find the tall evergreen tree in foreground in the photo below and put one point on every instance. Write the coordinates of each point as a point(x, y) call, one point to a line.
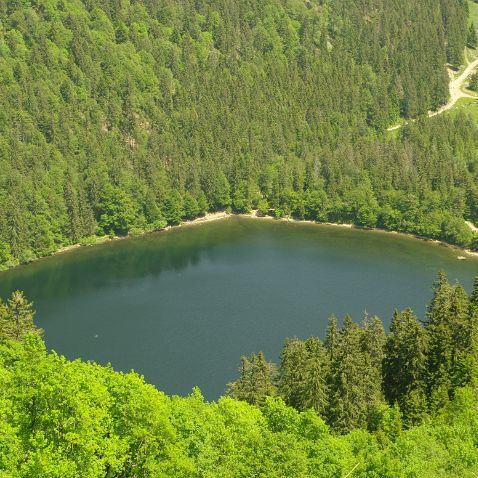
point(404, 366)
point(16, 318)
point(303, 374)
point(66, 419)
point(355, 385)
point(451, 334)
point(257, 380)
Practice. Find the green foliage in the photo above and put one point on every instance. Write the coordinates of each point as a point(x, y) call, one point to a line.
point(16, 318)
point(472, 40)
point(256, 382)
point(68, 419)
point(452, 331)
point(473, 85)
point(191, 206)
point(116, 214)
point(173, 209)
point(6, 258)
point(355, 375)
point(120, 116)
point(362, 378)
point(303, 375)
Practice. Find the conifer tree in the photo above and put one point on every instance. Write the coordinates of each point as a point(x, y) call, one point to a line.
point(373, 343)
point(173, 208)
point(293, 372)
point(473, 83)
point(438, 357)
point(16, 318)
point(191, 206)
point(451, 332)
point(353, 389)
point(257, 380)
point(464, 331)
point(374, 340)
point(472, 40)
point(404, 366)
point(316, 391)
point(303, 374)
point(332, 337)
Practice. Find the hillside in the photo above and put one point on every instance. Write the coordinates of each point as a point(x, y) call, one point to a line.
point(121, 117)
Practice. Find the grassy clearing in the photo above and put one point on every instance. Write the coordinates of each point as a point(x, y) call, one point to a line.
point(473, 18)
point(466, 105)
point(473, 12)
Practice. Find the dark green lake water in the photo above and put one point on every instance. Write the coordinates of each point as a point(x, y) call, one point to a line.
point(181, 307)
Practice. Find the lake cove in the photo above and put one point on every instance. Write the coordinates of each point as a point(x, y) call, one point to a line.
point(181, 307)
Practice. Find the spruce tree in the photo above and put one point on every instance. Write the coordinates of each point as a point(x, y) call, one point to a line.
point(303, 374)
point(404, 366)
point(332, 337)
point(373, 343)
point(293, 372)
point(316, 390)
point(439, 353)
point(474, 294)
point(256, 382)
point(472, 40)
point(354, 389)
point(464, 338)
point(16, 318)
point(374, 338)
point(451, 332)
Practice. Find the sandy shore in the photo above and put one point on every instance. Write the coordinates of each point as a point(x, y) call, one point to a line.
point(209, 217)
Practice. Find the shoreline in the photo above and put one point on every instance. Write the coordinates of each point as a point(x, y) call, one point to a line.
point(254, 215)
point(223, 215)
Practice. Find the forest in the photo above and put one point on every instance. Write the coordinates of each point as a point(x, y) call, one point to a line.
point(362, 403)
point(122, 116)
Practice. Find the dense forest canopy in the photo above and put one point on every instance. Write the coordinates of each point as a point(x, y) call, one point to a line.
point(121, 116)
point(402, 404)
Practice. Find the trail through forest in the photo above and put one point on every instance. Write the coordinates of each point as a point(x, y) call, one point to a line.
point(456, 92)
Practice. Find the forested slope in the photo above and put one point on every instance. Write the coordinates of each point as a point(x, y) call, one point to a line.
point(119, 116)
point(62, 419)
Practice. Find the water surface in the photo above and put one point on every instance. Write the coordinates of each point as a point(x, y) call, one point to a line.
point(181, 307)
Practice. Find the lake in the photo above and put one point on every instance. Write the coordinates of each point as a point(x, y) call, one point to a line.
point(181, 307)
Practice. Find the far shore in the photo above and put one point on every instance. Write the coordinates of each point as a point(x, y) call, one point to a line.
point(222, 215)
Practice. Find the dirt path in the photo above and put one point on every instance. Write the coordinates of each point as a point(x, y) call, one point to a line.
point(472, 226)
point(456, 92)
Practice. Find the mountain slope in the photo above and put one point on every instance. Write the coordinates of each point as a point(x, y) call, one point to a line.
point(119, 116)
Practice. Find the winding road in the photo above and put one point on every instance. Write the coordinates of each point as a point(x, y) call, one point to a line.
point(456, 92)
